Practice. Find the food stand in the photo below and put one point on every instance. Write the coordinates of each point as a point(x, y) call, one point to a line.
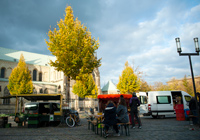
point(104, 98)
point(35, 119)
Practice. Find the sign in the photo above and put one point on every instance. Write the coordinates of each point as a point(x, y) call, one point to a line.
point(51, 118)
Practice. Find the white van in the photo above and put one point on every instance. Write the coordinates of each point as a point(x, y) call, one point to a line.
point(161, 103)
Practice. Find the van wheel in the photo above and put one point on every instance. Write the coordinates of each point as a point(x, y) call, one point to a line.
point(154, 116)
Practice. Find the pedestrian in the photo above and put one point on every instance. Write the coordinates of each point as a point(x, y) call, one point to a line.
point(198, 95)
point(134, 103)
point(110, 118)
point(193, 109)
point(122, 112)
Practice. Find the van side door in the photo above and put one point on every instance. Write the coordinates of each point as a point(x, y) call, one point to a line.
point(164, 105)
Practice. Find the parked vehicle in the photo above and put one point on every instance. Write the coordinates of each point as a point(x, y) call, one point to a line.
point(42, 113)
point(162, 103)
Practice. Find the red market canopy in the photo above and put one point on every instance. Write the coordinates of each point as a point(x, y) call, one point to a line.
point(103, 99)
point(113, 96)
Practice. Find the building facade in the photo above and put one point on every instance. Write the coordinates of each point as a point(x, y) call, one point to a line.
point(46, 79)
point(189, 79)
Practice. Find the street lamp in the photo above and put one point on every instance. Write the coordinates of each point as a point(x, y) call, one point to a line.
point(178, 44)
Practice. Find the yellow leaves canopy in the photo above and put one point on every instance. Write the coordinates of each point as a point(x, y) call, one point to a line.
point(20, 79)
point(85, 87)
point(73, 47)
point(128, 81)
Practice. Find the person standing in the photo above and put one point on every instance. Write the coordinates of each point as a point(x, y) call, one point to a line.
point(134, 103)
point(193, 109)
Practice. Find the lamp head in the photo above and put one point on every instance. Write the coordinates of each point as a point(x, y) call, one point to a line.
point(178, 44)
point(196, 43)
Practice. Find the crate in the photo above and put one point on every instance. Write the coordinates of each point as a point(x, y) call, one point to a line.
point(179, 106)
point(8, 125)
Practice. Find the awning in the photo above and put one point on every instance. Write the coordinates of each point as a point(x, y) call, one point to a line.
point(114, 96)
point(35, 97)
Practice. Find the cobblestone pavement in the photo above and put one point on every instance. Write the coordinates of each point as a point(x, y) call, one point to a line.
point(152, 129)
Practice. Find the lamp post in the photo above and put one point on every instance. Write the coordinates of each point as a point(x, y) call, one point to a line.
point(178, 44)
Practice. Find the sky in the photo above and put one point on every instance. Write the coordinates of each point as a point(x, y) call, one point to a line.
point(140, 32)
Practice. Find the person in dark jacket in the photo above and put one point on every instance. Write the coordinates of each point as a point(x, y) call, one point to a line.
point(193, 109)
point(134, 103)
point(110, 118)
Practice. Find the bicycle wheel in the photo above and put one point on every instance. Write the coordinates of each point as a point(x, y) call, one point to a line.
point(70, 121)
point(78, 121)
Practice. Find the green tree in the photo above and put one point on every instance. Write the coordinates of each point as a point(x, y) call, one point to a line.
point(85, 87)
point(73, 47)
point(128, 81)
point(20, 79)
point(187, 86)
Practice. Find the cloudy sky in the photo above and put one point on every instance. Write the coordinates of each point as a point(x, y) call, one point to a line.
point(141, 32)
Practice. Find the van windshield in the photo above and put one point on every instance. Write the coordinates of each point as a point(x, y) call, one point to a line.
point(31, 106)
point(187, 98)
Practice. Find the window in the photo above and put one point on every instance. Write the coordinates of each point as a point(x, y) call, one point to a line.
point(3, 70)
point(34, 90)
point(34, 75)
point(45, 91)
point(41, 90)
point(143, 99)
point(187, 98)
point(6, 93)
point(163, 99)
point(40, 76)
point(59, 89)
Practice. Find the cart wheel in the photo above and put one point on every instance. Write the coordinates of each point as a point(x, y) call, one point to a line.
point(70, 121)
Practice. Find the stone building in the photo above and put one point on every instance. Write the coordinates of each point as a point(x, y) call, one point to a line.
point(46, 80)
point(189, 79)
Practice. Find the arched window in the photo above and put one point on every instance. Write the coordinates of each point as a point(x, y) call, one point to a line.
point(46, 91)
point(34, 75)
point(41, 90)
point(59, 89)
point(3, 71)
point(6, 93)
point(40, 76)
point(34, 90)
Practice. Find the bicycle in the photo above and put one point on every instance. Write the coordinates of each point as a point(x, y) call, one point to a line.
point(73, 119)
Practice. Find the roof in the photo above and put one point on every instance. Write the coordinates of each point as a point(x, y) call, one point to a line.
point(109, 86)
point(30, 58)
point(35, 97)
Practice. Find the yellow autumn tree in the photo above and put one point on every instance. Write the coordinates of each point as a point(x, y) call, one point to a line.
point(187, 86)
point(144, 86)
point(73, 46)
point(85, 87)
point(20, 79)
point(128, 81)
